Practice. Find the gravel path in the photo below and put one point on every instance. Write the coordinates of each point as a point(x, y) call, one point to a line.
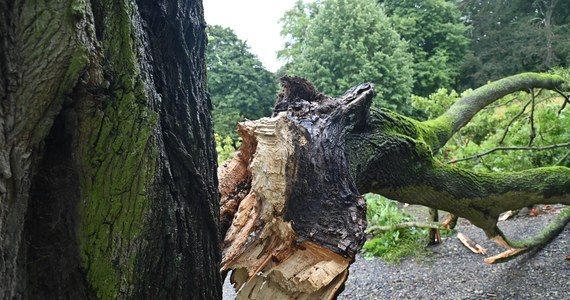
point(453, 272)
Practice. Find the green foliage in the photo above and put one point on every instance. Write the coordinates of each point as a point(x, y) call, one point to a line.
point(238, 84)
point(225, 147)
point(437, 39)
point(392, 245)
point(339, 43)
point(487, 128)
point(295, 23)
point(514, 36)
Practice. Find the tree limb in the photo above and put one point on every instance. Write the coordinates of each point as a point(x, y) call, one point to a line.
point(460, 113)
point(516, 248)
point(505, 148)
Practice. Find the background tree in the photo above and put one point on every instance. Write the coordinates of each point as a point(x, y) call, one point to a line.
point(437, 39)
point(107, 165)
point(509, 37)
point(239, 86)
point(295, 23)
point(347, 42)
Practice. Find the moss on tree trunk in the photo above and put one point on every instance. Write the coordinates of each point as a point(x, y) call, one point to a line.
point(107, 162)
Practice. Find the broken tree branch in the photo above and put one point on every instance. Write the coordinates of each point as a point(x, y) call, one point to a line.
point(470, 244)
point(460, 113)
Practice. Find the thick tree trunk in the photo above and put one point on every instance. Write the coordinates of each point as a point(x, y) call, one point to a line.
point(107, 167)
point(290, 198)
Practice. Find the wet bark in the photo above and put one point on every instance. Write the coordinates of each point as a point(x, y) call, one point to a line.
point(295, 184)
point(107, 164)
point(294, 216)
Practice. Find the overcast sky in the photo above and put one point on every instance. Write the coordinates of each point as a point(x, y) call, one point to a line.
point(254, 21)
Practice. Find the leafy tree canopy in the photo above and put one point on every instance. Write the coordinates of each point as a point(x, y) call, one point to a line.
point(513, 36)
point(339, 43)
point(437, 39)
point(239, 85)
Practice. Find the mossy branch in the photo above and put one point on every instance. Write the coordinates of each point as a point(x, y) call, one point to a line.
point(523, 246)
point(460, 113)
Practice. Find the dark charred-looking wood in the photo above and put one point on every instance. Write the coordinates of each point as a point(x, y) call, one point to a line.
point(307, 222)
point(321, 179)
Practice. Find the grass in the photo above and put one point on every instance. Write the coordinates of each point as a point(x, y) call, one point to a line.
point(393, 245)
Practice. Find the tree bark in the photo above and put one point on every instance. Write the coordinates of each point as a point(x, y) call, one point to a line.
point(107, 162)
point(290, 198)
point(295, 219)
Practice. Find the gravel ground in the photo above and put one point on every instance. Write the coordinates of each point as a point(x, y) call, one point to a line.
point(453, 272)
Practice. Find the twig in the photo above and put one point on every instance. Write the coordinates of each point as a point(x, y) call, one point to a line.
point(501, 104)
point(503, 148)
point(512, 121)
point(562, 159)
point(404, 225)
point(566, 100)
point(532, 129)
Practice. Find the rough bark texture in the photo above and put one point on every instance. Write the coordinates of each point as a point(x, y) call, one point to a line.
point(321, 152)
point(107, 167)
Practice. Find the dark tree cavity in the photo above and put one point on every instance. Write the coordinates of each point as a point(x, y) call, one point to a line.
point(107, 164)
point(291, 203)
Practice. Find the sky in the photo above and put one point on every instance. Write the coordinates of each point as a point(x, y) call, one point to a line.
point(254, 21)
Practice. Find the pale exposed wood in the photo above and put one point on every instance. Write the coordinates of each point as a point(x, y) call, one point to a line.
point(450, 221)
point(504, 256)
point(470, 244)
point(267, 258)
point(507, 215)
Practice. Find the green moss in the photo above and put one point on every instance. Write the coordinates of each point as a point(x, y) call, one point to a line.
point(547, 233)
point(119, 162)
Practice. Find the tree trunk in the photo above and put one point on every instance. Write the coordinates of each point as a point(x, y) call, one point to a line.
point(294, 215)
point(291, 211)
point(107, 162)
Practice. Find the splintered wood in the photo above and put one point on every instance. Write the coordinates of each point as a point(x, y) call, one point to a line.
point(470, 244)
point(267, 258)
point(504, 256)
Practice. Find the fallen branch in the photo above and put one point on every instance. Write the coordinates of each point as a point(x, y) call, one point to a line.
point(470, 244)
point(450, 221)
point(508, 148)
point(505, 256)
point(507, 215)
point(404, 225)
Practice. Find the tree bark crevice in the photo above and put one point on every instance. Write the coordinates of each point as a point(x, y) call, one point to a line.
point(106, 146)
